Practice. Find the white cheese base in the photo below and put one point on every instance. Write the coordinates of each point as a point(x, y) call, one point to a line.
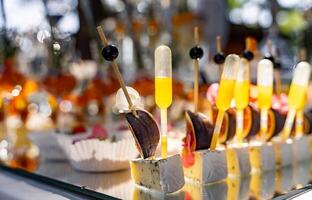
point(301, 149)
point(283, 152)
point(262, 157)
point(208, 167)
point(238, 162)
point(164, 175)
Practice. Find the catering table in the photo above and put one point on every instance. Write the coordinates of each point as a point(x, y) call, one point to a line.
point(58, 180)
point(17, 184)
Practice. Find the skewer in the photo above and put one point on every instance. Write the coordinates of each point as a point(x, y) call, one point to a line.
point(277, 66)
point(218, 43)
point(196, 53)
point(302, 54)
point(248, 54)
point(219, 58)
point(115, 67)
point(196, 66)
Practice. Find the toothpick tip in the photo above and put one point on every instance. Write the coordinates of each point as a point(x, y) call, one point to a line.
point(196, 35)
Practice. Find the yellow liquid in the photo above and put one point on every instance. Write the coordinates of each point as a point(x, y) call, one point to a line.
point(163, 91)
point(225, 94)
point(296, 97)
point(241, 94)
point(164, 146)
point(304, 101)
point(299, 123)
point(265, 97)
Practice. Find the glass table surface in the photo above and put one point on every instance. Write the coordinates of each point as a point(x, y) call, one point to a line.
point(119, 184)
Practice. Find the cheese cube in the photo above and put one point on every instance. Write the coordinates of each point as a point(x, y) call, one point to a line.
point(261, 156)
point(262, 185)
point(208, 167)
point(238, 163)
point(301, 149)
point(164, 175)
point(283, 152)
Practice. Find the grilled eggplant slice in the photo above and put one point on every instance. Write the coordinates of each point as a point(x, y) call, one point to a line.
point(145, 132)
point(276, 122)
point(199, 130)
point(228, 126)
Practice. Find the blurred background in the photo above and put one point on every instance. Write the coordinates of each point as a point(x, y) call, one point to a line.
point(52, 74)
point(47, 34)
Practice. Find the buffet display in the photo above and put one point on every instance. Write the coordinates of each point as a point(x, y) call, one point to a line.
point(177, 140)
point(252, 140)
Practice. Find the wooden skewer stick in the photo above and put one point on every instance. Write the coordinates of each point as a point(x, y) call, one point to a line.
point(116, 71)
point(248, 43)
point(218, 43)
point(196, 66)
point(277, 75)
point(270, 48)
point(302, 54)
point(219, 49)
point(278, 86)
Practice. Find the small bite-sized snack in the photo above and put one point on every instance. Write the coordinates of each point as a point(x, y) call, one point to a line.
point(201, 165)
point(166, 174)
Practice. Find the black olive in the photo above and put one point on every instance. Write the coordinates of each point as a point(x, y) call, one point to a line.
point(277, 65)
point(196, 52)
point(269, 57)
point(248, 55)
point(110, 53)
point(219, 58)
